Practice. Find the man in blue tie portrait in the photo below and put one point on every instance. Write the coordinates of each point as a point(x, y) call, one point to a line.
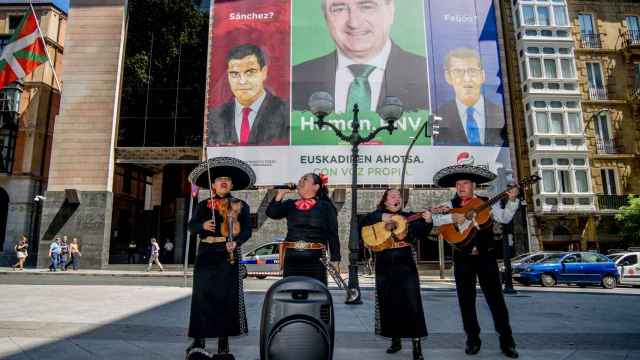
point(367, 64)
point(470, 119)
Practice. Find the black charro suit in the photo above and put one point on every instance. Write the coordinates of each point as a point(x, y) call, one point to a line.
point(452, 128)
point(270, 127)
point(404, 77)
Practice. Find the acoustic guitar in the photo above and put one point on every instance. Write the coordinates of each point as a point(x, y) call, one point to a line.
point(377, 237)
point(478, 215)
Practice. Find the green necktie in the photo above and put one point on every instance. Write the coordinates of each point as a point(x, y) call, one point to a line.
point(360, 90)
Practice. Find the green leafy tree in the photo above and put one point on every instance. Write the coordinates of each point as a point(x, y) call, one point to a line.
point(629, 218)
point(165, 60)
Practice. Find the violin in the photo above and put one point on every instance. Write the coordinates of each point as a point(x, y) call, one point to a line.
point(230, 210)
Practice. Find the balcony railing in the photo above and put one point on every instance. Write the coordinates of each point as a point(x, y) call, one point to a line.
point(590, 41)
point(597, 93)
point(612, 202)
point(606, 146)
point(631, 38)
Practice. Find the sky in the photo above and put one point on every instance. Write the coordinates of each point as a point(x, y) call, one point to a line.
point(62, 4)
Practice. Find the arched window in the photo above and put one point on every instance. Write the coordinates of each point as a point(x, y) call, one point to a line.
point(4, 211)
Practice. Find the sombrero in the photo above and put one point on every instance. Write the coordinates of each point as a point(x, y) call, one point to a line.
point(240, 173)
point(448, 176)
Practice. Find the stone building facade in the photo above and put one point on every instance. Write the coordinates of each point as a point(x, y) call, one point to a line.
point(28, 110)
point(573, 115)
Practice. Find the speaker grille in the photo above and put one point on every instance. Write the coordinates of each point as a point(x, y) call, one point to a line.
point(325, 313)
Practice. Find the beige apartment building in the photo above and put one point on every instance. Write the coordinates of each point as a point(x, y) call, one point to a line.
point(574, 74)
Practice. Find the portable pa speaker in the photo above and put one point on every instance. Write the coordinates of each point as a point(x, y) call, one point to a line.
point(71, 195)
point(297, 321)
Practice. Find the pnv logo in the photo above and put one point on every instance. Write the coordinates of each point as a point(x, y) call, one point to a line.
point(464, 158)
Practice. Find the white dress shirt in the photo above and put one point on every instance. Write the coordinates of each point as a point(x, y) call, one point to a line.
point(499, 214)
point(344, 77)
point(252, 115)
point(478, 116)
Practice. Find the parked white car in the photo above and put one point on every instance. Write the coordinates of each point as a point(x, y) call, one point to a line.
point(628, 266)
point(263, 261)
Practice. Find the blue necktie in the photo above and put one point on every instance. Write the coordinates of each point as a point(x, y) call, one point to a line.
point(473, 133)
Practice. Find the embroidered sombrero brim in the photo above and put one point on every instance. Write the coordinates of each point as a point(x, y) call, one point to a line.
point(240, 173)
point(198, 354)
point(448, 176)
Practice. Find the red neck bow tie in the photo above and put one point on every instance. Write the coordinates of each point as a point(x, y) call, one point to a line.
point(305, 204)
point(215, 203)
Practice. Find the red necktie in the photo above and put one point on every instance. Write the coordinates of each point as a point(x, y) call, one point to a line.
point(245, 128)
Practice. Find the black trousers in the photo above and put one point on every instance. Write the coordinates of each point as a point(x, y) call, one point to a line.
point(485, 269)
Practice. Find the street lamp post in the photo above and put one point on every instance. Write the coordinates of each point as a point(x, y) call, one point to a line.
point(507, 241)
point(321, 104)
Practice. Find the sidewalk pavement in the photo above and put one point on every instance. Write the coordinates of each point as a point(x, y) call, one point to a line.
point(149, 322)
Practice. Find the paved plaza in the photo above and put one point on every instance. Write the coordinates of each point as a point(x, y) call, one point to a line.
point(149, 322)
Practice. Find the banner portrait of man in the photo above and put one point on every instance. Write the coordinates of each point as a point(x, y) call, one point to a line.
point(254, 116)
point(249, 74)
point(366, 63)
point(469, 119)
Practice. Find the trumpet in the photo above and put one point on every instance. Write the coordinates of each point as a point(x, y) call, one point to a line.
point(352, 294)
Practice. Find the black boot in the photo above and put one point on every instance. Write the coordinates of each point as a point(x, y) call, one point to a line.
point(223, 345)
point(472, 346)
point(197, 343)
point(396, 345)
point(508, 347)
point(417, 349)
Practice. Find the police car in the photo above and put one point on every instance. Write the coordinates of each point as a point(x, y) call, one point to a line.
point(628, 266)
point(263, 260)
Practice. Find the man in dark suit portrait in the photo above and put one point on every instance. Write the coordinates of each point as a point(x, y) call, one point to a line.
point(469, 119)
point(254, 116)
point(367, 65)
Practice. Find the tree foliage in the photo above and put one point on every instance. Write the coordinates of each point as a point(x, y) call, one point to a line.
point(164, 36)
point(629, 218)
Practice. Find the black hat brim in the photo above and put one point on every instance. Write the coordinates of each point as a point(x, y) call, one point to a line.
point(240, 173)
point(448, 176)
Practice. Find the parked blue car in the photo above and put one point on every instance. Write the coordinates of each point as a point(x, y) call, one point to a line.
point(581, 268)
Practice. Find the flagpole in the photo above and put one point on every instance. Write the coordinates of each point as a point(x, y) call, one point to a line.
point(46, 48)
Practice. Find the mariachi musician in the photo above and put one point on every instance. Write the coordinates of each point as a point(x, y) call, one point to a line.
point(399, 304)
point(223, 224)
point(312, 225)
point(476, 257)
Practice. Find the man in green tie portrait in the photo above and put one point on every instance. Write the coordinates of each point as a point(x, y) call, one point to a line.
point(470, 119)
point(367, 64)
point(254, 116)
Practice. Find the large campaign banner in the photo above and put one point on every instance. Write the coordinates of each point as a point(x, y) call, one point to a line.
point(438, 57)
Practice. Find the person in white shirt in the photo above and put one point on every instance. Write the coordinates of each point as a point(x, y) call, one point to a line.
point(476, 257)
point(168, 250)
point(154, 255)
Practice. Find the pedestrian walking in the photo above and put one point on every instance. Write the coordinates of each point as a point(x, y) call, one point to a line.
point(168, 251)
point(64, 253)
point(54, 254)
point(21, 252)
point(154, 255)
point(74, 255)
point(131, 252)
